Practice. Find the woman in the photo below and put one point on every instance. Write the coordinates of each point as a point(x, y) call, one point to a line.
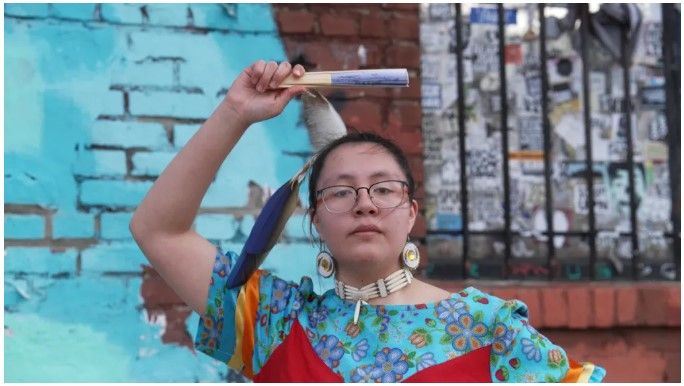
point(380, 323)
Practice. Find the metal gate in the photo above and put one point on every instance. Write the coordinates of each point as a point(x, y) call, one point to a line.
point(581, 182)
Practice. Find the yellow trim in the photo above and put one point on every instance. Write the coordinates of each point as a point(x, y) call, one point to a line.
point(235, 361)
point(587, 370)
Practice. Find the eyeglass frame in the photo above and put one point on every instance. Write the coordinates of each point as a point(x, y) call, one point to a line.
point(405, 185)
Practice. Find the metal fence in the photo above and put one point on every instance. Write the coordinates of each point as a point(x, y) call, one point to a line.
point(548, 261)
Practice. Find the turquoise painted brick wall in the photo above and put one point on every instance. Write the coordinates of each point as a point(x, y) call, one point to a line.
point(99, 98)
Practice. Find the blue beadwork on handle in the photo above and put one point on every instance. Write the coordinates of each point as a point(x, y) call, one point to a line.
point(386, 77)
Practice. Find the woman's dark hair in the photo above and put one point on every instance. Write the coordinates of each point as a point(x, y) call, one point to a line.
point(357, 137)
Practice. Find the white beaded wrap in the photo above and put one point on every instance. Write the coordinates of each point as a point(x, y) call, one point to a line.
point(379, 289)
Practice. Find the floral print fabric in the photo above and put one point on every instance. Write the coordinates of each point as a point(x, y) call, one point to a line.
point(390, 342)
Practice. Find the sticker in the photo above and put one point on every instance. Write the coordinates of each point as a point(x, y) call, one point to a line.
point(491, 15)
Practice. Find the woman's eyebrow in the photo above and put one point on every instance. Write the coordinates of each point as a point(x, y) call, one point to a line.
point(349, 177)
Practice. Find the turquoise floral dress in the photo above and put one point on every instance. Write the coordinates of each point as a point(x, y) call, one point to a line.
point(246, 326)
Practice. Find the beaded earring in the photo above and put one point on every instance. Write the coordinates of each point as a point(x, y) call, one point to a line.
point(410, 255)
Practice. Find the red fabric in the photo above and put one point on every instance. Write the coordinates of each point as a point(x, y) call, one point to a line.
point(296, 361)
point(471, 367)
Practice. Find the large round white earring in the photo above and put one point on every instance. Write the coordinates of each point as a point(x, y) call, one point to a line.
point(410, 255)
point(325, 264)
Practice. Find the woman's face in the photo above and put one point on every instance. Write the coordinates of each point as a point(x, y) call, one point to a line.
point(356, 165)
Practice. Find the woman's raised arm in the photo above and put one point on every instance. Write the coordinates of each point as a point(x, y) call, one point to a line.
point(162, 223)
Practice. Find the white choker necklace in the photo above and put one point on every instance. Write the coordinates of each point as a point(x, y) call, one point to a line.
point(381, 288)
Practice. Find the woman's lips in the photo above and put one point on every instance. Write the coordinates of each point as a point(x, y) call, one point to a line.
point(365, 230)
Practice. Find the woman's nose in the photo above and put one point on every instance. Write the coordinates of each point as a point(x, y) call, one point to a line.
point(363, 203)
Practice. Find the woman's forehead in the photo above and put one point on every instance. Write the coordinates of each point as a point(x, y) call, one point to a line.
point(358, 161)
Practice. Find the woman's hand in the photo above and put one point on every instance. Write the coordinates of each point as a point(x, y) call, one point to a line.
point(253, 96)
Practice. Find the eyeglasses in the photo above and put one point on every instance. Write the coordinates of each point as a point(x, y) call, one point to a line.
point(383, 194)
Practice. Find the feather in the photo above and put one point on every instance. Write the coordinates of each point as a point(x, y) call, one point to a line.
point(324, 125)
point(322, 121)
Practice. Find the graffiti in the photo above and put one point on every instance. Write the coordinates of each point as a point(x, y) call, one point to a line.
point(530, 133)
point(581, 199)
point(573, 272)
point(528, 269)
point(482, 163)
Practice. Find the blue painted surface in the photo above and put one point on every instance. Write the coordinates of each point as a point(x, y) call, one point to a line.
point(75, 150)
point(24, 226)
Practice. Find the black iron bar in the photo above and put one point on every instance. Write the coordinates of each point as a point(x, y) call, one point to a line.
point(671, 68)
point(589, 160)
point(546, 127)
point(504, 137)
point(627, 103)
point(462, 137)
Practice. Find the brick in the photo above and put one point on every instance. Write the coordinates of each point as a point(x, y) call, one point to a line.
point(604, 306)
point(405, 56)
point(150, 163)
point(102, 163)
point(531, 298)
point(362, 115)
point(416, 165)
point(372, 26)
point(39, 260)
point(167, 14)
point(146, 44)
point(405, 27)
point(73, 11)
point(504, 293)
point(216, 226)
point(297, 226)
point(411, 92)
point(183, 133)
point(129, 134)
point(653, 306)
point(113, 193)
point(405, 115)
point(24, 226)
point(326, 55)
point(171, 104)
point(409, 142)
point(419, 227)
point(627, 303)
point(580, 299)
point(295, 21)
point(27, 10)
point(110, 102)
point(338, 25)
point(408, 7)
point(157, 72)
point(156, 292)
point(555, 307)
point(301, 261)
point(248, 221)
point(112, 257)
point(674, 316)
point(235, 17)
point(115, 225)
point(24, 189)
point(122, 13)
point(217, 196)
point(71, 225)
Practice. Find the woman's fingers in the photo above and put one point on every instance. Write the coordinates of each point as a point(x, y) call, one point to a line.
point(281, 73)
point(266, 77)
point(298, 70)
point(256, 70)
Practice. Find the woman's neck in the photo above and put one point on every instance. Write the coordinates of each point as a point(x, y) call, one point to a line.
point(363, 274)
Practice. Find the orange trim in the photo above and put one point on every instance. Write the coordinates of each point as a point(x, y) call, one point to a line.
point(251, 293)
point(574, 372)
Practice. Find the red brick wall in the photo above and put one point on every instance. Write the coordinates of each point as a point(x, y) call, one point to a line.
point(632, 329)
